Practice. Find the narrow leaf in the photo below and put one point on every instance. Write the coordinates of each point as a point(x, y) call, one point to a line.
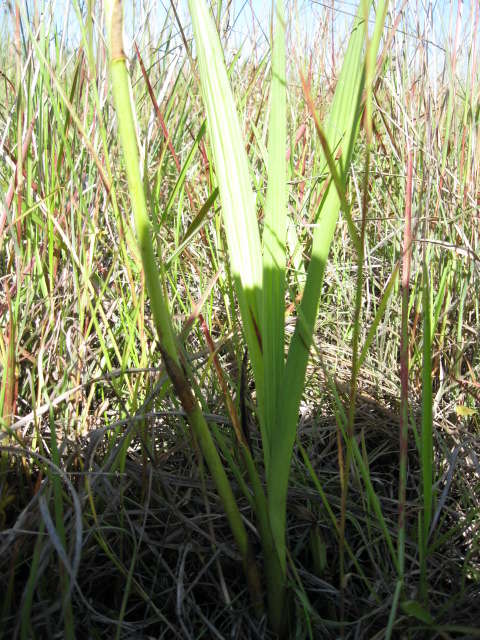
point(340, 132)
point(231, 168)
point(274, 235)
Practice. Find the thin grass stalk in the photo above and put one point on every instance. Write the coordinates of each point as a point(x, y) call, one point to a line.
point(19, 171)
point(354, 367)
point(25, 622)
point(126, 236)
point(426, 437)
point(393, 610)
point(451, 66)
point(371, 47)
point(9, 373)
point(334, 521)
point(473, 101)
point(232, 412)
point(450, 111)
point(404, 364)
point(68, 618)
point(9, 369)
point(389, 288)
point(160, 311)
point(342, 419)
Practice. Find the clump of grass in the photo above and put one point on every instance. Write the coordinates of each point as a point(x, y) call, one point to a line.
point(110, 523)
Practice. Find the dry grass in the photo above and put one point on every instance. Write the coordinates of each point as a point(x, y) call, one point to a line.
point(106, 510)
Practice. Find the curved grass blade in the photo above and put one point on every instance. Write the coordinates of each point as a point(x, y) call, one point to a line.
point(232, 171)
point(379, 314)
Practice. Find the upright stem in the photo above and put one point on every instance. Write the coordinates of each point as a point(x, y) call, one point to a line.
point(160, 309)
point(407, 253)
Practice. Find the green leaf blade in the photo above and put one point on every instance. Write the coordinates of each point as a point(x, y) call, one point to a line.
point(275, 231)
point(232, 171)
point(341, 130)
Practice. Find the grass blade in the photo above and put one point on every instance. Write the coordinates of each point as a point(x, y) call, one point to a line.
point(378, 315)
point(426, 453)
point(231, 167)
point(274, 235)
point(404, 365)
point(341, 129)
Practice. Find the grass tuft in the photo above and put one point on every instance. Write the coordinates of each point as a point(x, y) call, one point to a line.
point(239, 320)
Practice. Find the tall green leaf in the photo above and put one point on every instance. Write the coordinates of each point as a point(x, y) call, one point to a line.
point(231, 168)
point(340, 131)
point(274, 235)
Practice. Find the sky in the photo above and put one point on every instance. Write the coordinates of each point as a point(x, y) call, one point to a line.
point(250, 18)
point(306, 10)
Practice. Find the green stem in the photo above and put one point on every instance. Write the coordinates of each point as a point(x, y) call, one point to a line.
point(159, 304)
point(404, 367)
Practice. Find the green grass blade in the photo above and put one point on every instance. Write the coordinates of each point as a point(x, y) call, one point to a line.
point(58, 530)
point(426, 453)
point(340, 131)
point(333, 519)
point(232, 171)
point(183, 174)
point(393, 610)
point(379, 314)
point(274, 235)
point(197, 223)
